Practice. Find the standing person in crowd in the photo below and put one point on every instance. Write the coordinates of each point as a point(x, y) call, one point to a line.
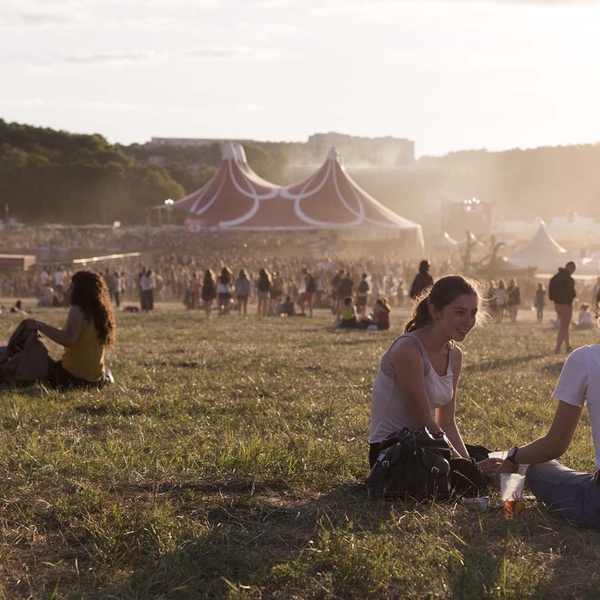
point(147, 291)
point(400, 292)
point(513, 299)
point(119, 287)
point(209, 291)
point(561, 291)
point(362, 295)
point(500, 300)
point(310, 287)
point(110, 283)
point(89, 329)
point(574, 494)
point(263, 287)
point(224, 284)
point(242, 292)
point(422, 280)
point(418, 375)
point(596, 293)
point(335, 286)
point(195, 289)
point(345, 289)
point(276, 285)
point(540, 301)
point(59, 284)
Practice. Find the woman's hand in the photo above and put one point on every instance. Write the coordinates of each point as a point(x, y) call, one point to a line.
point(489, 466)
point(506, 467)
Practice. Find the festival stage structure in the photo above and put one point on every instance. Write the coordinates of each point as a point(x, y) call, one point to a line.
point(236, 198)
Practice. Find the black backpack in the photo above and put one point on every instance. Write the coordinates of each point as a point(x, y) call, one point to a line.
point(311, 284)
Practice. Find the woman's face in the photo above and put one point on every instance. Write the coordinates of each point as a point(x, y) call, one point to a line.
point(458, 318)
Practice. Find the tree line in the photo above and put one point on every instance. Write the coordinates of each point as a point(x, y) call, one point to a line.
point(57, 176)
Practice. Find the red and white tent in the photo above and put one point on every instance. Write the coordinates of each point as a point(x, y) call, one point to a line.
point(237, 198)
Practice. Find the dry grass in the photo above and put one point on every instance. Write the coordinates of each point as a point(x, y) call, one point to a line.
point(227, 462)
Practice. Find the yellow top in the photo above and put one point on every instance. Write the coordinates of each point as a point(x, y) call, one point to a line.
point(347, 313)
point(85, 359)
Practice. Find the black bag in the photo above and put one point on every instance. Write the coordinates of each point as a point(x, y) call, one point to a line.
point(412, 464)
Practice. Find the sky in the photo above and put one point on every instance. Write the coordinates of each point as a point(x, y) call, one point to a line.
point(449, 75)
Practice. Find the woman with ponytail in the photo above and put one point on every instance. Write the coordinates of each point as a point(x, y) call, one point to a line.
point(418, 375)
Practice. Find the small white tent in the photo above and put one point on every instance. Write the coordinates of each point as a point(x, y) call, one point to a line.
point(542, 252)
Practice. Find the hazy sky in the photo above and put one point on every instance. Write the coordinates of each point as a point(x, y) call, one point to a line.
point(448, 75)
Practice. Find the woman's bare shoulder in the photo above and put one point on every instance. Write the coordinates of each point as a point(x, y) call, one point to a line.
point(404, 347)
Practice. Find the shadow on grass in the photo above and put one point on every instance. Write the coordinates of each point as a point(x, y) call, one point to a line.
point(261, 544)
point(246, 539)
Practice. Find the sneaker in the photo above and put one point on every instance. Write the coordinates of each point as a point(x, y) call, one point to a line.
point(569, 349)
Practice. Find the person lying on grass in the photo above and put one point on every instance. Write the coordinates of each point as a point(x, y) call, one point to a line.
point(576, 495)
point(418, 374)
point(89, 330)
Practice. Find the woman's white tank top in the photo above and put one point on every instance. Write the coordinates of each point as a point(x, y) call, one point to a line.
point(389, 409)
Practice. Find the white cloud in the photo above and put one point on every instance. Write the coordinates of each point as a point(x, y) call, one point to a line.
point(115, 57)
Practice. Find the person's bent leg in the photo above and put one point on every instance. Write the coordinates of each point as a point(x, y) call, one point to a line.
point(373, 453)
point(575, 495)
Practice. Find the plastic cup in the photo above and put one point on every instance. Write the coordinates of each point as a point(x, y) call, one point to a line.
point(511, 493)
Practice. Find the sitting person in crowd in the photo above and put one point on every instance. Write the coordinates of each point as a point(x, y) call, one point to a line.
point(46, 295)
point(288, 309)
point(348, 314)
point(418, 374)
point(379, 317)
point(88, 331)
point(574, 494)
point(585, 319)
point(278, 307)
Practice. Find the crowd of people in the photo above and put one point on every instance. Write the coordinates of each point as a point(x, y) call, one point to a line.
point(416, 385)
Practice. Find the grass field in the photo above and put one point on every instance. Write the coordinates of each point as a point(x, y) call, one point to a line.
point(228, 460)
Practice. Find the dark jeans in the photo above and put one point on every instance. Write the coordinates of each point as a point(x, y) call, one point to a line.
point(575, 495)
point(147, 300)
point(59, 377)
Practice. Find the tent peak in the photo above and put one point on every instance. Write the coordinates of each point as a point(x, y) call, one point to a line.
point(229, 151)
point(334, 155)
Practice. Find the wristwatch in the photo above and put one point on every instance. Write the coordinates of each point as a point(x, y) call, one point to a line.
point(512, 455)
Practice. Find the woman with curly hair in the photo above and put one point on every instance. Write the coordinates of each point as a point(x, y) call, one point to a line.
point(88, 331)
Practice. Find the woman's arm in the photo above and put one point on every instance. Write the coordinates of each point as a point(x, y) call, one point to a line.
point(553, 445)
point(406, 360)
point(71, 331)
point(445, 415)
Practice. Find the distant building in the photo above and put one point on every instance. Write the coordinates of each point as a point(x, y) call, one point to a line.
point(384, 151)
point(192, 142)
